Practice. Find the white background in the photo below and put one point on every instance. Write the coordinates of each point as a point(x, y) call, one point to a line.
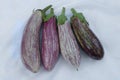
point(104, 19)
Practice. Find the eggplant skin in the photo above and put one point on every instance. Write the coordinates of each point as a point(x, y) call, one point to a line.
point(30, 53)
point(68, 44)
point(87, 39)
point(50, 44)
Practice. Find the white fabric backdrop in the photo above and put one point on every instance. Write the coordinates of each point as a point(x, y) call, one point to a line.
point(104, 19)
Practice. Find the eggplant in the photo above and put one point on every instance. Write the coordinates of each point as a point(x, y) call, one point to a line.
point(30, 53)
point(50, 41)
point(68, 44)
point(85, 36)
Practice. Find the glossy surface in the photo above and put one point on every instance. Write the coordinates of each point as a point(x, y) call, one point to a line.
point(87, 39)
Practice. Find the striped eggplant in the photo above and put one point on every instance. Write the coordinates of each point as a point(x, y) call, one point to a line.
point(68, 44)
point(30, 53)
point(86, 38)
point(50, 41)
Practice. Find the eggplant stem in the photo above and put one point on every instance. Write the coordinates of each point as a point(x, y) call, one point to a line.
point(63, 11)
point(80, 16)
point(62, 18)
point(74, 12)
point(45, 9)
point(51, 14)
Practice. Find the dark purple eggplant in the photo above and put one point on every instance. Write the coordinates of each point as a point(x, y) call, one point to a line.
point(68, 44)
point(86, 38)
point(50, 42)
point(30, 53)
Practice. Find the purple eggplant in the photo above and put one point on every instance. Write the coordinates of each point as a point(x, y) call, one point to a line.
point(68, 44)
point(30, 53)
point(50, 41)
point(86, 38)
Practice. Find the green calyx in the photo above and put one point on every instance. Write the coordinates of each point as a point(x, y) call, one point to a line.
point(62, 18)
point(44, 11)
point(48, 16)
point(80, 16)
